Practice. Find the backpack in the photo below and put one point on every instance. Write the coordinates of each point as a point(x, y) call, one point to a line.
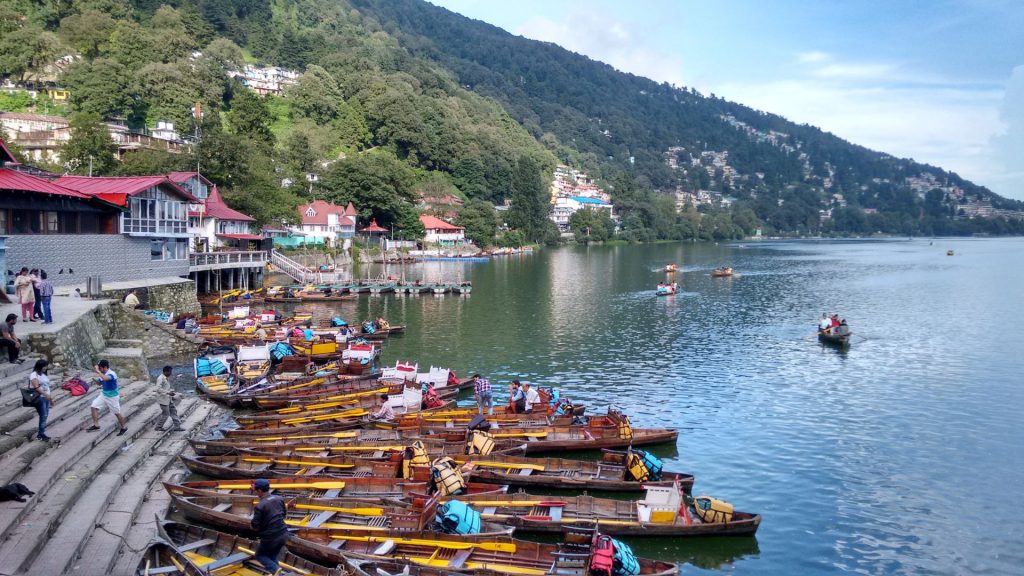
point(76, 386)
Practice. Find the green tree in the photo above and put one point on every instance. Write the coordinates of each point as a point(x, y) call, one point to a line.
point(226, 53)
point(380, 185)
point(87, 32)
point(480, 220)
point(89, 145)
point(175, 41)
point(170, 92)
point(101, 87)
point(470, 177)
point(145, 162)
point(250, 118)
point(316, 95)
point(530, 206)
point(131, 45)
point(591, 225)
point(27, 51)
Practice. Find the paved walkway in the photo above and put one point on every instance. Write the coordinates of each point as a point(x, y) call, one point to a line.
point(65, 310)
point(140, 283)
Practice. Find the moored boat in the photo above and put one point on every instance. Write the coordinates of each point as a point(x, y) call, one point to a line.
point(232, 466)
point(315, 487)
point(664, 511)
point(192, 550)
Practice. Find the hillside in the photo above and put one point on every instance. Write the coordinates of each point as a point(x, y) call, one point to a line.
point(397, 99)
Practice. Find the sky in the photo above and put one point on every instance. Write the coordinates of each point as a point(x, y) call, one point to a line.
point(939, 81)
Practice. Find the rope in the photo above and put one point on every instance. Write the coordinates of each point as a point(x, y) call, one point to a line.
point(121, 538)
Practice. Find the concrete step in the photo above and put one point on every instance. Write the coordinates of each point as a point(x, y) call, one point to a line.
point(119, 481)
point(56, 471)
point(68, 417)
point(14, 376)
point(10, 396)
point(127, 525)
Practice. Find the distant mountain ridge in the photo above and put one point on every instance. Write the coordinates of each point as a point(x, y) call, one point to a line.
point(617, 121)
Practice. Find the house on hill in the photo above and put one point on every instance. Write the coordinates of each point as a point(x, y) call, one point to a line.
point(324, 223)
point(211, 222)
point(440, 232)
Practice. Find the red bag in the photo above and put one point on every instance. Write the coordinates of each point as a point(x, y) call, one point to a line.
point(76, 386)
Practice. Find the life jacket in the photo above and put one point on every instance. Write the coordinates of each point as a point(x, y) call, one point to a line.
point(625, 563)
point(602, 557)
point(456, 517)
point(337, 321)
point(431, 399)
point(217, 367)
point(480, 442)
point(280, 350)
point(446, 477)
point(415, 455)
point(712, 510)
point(635, 468)
point(453, 380)
point(653, 464)
point(625, 429)
point(369, 328)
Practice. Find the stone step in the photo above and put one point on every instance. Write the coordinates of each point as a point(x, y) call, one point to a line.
point(68, 417)
point(120, 482)
point(51, 468)
point(127, 525)
point(14, 376)
point(10, 396)
point(128, 362)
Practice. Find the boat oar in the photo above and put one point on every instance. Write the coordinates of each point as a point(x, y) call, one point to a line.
point(325, 485)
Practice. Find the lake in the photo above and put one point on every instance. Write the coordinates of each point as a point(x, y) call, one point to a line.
point(904, 454)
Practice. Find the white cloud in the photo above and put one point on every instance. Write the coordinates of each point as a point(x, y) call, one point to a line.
point(616, 43)
point(1007, 146)
point(813, 57)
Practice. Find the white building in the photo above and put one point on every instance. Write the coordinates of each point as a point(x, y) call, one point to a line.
point(566, 206)
point(211, 222)
point(441, 232)
point(327, 223)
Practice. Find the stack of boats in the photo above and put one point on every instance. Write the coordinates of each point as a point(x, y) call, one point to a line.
point(427, 491)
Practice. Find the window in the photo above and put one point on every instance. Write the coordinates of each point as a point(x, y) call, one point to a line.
point(156, 249)
point(52, 222)
point(155, 212)
point(310, 212)
point(3, 222)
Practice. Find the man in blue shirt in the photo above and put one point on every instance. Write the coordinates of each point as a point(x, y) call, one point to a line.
point(110, 396)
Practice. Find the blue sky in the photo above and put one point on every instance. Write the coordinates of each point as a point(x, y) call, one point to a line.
point(940, 81)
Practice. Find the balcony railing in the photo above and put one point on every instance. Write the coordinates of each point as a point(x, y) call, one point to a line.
point(210, 260)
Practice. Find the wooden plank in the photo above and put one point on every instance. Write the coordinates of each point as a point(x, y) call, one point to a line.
point(233, 559)
point(196, 545)
point(386, 548)
point(321, 518)
point(222, 507)
point(460, 559)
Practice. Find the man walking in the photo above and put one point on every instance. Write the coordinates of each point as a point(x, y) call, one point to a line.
point(110, 397)
point(268, 521)
point(482, 394)
point(167, 398)
point(9, 340)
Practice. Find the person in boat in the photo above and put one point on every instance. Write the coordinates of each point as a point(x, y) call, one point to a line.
point(842, 329)
point(261, 333)
point(382, 324)
point(268, 522)
point(341, 336)
point(517, 399)
point(385, 412)
point(307, 332)
point(825, 324)
point(834, 321)
point(453, 380)
point(482, 394)
point(531, 397)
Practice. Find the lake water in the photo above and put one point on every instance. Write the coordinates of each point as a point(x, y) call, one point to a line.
point(904, 454)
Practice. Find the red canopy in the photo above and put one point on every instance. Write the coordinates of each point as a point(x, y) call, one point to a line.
point(373, 228)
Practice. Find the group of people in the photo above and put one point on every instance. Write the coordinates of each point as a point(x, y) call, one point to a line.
point(832, 324)
point(109, 395)
point(35, 293)
point(522, 396)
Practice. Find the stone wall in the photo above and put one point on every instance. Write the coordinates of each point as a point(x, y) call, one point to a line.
point(176, 297)
point(111, 328)
point(113, 257)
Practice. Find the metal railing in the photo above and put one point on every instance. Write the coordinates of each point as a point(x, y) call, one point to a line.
point(292, 268)
point(226, 259)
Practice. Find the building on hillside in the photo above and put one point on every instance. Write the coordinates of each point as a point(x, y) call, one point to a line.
point(213, 224)
point(566, 206)
point(325, 223)
point(445, 206)
point(41, 137)
point(440, 232)
point(267, 81)
point(77, 230)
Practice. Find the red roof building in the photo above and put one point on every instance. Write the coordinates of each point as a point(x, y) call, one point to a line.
point(323, 222)
point(440, 232)
point(156, 206)
point(373, 228)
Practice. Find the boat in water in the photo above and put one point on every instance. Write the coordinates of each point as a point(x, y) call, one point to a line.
point(721, 272)
point(664, 289)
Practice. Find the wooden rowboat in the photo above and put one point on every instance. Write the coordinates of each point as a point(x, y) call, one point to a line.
point(235, 513)
point(316, 487)
point(553, 438)
point(608, 474)
point(660, 513)
point(220, 446)
point(190, 550)
point(838, 340)
point(721, 272)
point(234, 466)
point(431, 554)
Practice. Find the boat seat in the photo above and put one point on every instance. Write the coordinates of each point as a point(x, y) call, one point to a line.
point(555, 513)
point(196, 545)
point(526, 472)
point(337, 544)
point(320, 518)
point(222, 507)
point(228, 561)
point(332, 493)
point(386, 548)
point(460, 559)
point(164, 570)
point(490, 510)
point(314, 471)
point(228, 463)
point(261, 467)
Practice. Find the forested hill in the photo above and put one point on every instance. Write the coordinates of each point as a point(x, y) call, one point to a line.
point(599, 118)
point(392, 101)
